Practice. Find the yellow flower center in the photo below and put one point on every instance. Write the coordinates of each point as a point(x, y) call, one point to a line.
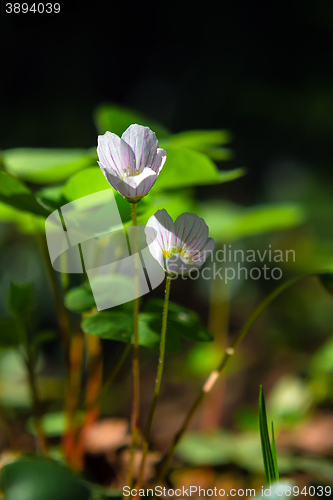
point(128, 173)
point(174, 251)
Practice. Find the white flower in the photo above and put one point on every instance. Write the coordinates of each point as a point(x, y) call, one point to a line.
point(132, 163)
point(181, 246)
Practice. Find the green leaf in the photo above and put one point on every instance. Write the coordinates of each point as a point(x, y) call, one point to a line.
point(118, 325)
point(199, 139)
point(109, 325)
point(264, 438)
point(214, 448)
point(228, 222)
point(87, 181)
point(175, 203)
point(105, 287)
point(186, 167)
point(46, 165)
point(150, 334)
point(207, 141)
point(290, 399)
point(22, 300)
point(91, 180)
point(322, 359)
point(202, 358)
point(181, 321)
point(274, 455)
point(14, 388)
point(39, 479)
point(25, 222)
point(220, 154)
point(54, 424)
point(51, 197)
point(231, 175)
point(9, 335)
point(116, 119)
point(15, 193)
point(80, 299)
point(219, 447)
point(270, 461)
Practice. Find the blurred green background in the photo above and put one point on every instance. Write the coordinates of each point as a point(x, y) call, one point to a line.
point(260, 74)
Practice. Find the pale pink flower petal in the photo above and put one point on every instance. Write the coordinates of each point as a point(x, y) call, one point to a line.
point(139, 185)
point(108, 151)
point(191, 232)
point(159, 160)
point(202, 255)
point(160, 236)
point(178, 247)
point(127, 158)
point(144, 144)
point(135, 180)
point(132, 163)
point(111, 176)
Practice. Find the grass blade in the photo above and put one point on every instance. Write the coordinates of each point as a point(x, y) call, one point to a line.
point(265, 442)
point(274, 455)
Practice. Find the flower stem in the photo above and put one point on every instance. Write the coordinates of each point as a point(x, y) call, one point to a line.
point(135, 428)
point(157, 382)
point(213, 377)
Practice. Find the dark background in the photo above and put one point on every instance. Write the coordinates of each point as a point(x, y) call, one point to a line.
point(260, 69)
